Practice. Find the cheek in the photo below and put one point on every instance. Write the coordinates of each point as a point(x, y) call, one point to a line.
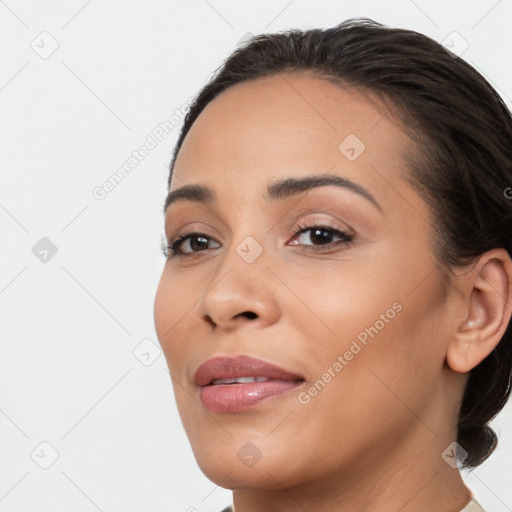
point(364, 326)
point(339, 304)
point(171, 307)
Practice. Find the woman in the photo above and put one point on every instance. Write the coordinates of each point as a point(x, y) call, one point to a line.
point(335, 305)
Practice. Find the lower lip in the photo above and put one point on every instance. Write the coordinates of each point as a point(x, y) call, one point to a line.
point(243, 396)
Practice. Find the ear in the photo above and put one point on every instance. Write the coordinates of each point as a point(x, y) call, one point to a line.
point(488, 308)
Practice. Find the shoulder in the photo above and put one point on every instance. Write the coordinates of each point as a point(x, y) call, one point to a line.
point(472, 506)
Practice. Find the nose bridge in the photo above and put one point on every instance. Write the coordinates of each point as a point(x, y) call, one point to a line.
point(246, 247)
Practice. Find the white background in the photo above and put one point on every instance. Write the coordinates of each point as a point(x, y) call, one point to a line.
point(69, 326)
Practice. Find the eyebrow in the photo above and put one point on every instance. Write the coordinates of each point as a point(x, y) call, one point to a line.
point(276, 190)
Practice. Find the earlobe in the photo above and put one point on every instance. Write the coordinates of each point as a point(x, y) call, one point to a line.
point(488, 309)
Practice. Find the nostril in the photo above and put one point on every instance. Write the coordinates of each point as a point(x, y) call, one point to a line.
point(209, 319)
point(249, 314)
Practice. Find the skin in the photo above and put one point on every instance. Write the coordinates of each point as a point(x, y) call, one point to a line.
point(372, 438)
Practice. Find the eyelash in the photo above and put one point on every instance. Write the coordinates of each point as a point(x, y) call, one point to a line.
point(175, 244)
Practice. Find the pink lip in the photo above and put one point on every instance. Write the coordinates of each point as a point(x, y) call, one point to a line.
point(241, 396)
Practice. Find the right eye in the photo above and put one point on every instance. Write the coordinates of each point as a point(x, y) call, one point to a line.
point(191, 241)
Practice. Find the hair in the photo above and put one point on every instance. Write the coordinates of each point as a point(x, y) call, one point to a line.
point(460, 158)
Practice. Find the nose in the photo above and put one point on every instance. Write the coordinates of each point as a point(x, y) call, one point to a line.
point(241, 293)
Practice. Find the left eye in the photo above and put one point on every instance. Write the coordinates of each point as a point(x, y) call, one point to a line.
point(321, 236)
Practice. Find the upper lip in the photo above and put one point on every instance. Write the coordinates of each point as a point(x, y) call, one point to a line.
point(224, 367)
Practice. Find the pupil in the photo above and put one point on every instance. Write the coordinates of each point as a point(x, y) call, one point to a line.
point(315, 238)
point(198, 246)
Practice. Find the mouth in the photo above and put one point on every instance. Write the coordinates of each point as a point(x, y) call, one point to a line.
point(234, 384)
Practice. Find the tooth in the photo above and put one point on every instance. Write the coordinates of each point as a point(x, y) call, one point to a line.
point(240, 380)
point(223, 381)
point(246, 379)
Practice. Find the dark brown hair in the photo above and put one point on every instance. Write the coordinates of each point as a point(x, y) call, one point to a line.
point(460, 162)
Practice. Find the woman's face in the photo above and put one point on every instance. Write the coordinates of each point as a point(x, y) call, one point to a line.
point(353, 309)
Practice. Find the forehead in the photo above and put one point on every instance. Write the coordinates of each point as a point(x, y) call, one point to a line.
point(292, 124)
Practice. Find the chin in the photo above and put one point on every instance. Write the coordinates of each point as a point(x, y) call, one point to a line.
point(237, 464)
point(234, 476)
